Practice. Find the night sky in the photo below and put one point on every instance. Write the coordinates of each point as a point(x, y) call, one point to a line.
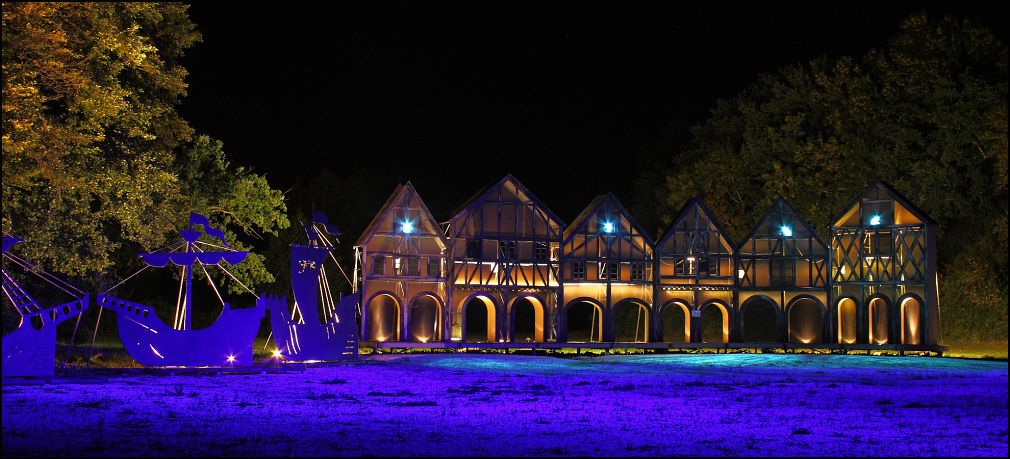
point(454, 95)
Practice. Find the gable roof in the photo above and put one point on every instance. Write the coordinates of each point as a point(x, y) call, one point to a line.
point(781, 202)
point(483, 192)
point(900, 198)
point(696, 201)
point(591, 209)
point(400, 194)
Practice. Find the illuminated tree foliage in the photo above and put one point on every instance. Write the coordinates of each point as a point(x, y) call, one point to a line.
point(97, 163)
point(927, 113)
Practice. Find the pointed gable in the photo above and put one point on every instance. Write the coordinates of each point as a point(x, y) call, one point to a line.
point(695, 218)
point(880, 204)
point(607, 210)
point(782, 222)
point(403, 216)
point(505, 207)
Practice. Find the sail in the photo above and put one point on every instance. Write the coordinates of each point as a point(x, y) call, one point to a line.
point(306, 263)
point(159, 260)
point(9, 242)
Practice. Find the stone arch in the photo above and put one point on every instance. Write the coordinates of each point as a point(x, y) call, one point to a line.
point(722, 308)
point(758, 326)
point(538, 306)
point(382, 317)
point(596, 324)
point(424, 317)
point(847, 317)
point(668, 312)
point(490, 305)
point(805, 320)
point(878, 309)
point(911, 318)
point(623, 331)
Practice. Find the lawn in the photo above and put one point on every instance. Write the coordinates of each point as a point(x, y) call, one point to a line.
point(412, 404)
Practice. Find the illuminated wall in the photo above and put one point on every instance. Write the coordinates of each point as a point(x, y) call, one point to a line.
point(883, 266)
point(503, 245)
point(607, 258)
point(695, 266)
point(783, 261)
point(402, 260)
point(505, 268)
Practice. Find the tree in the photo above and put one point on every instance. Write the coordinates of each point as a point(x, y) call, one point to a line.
point(927, 113)
point(97, 163)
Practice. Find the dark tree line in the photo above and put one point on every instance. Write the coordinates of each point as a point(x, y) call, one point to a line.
point(926, 112)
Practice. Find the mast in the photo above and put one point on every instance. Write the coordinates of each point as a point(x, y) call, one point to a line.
point(187, 305)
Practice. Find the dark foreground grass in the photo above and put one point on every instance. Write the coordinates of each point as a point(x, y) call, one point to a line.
point(503, 405)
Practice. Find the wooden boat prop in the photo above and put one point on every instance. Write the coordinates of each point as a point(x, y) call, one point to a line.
point(299, 333)
point(30, 349)
point(226, 342)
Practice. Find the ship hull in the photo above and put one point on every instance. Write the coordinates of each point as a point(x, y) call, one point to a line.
point(28, 351)
point(313, 341)
point(227, 342)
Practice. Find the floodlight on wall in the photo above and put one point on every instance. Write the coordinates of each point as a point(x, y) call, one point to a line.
point(608, 227)
point(407, 227)
point(875, 220)
point(787, 231)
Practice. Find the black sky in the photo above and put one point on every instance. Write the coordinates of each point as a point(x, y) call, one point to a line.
point(454, 95)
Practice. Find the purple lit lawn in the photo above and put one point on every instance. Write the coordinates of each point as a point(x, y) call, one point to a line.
point(518, 405)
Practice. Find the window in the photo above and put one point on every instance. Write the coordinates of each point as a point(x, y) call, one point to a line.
point(413, 266)
point(611, 271)
point(378, 264)
point(507, 249)
point(679, 266)
point(434, 267)
point(783, 272)
point(579, 270)
point(638, 271)
point(713, 266)
point(473, 248)
point(540, 251)
point(703, 266)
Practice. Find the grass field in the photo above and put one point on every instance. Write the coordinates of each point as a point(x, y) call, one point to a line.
point(500, 405)
point(978, 349)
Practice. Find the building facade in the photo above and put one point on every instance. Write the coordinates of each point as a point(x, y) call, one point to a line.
point(504, 268)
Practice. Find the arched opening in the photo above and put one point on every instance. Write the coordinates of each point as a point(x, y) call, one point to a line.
point(479, 320)
point(805, 321)
point(714, 323)
point(585, 322)
point(759, 323)
point(878, 321)
point(383, 318)
point(846, 321)
point(425, 324)
point(631, 322)
point(910, 320)
point(676, 317)
point(527, 320)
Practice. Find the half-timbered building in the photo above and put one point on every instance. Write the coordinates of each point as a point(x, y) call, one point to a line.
point(607, 275)
point(695, 266)
point(782, 279)
point(883, 271)
point(402, 258)
point(504, 268)
point(503, 265)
